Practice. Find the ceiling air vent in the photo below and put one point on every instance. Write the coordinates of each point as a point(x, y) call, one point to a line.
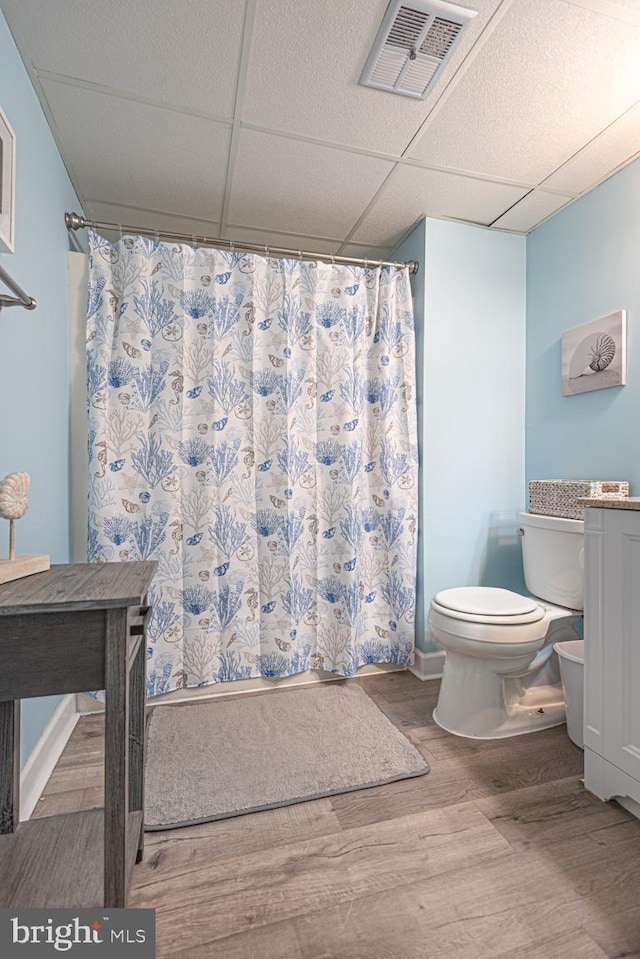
point(413, 43)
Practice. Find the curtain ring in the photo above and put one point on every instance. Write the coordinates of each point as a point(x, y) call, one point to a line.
point(333, 260)
point(266, 251)
point(157, 236)
point(120, 230)
point(232, 246)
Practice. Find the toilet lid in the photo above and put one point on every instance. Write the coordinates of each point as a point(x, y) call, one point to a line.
point(488, 602)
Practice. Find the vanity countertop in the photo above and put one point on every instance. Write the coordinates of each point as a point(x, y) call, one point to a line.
point(601, 502)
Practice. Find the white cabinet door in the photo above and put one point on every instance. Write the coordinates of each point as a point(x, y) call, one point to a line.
point(594, 629)
point(620, 639)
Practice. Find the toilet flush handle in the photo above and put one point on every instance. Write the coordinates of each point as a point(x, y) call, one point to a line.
point(521, 531)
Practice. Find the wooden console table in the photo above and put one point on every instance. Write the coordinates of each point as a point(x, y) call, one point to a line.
point(74, 629)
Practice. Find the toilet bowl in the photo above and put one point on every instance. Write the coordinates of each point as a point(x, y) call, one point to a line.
point(501, 674)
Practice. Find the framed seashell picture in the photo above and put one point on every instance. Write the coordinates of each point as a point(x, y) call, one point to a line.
point(594, 355)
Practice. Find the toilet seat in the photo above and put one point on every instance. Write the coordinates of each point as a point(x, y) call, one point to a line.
point(483, 604)
point(500, 675)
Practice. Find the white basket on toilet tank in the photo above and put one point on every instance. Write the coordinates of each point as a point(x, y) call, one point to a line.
point(501, 674)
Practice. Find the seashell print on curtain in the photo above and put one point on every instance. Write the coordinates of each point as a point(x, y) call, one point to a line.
point(252, 427)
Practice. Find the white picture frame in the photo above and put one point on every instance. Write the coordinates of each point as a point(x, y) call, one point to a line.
point(594, 355)
point(7, 185)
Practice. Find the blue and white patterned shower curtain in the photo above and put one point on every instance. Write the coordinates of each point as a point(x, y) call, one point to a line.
point(252, 427)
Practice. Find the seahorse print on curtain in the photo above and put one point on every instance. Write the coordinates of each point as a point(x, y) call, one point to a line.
point(252, 427)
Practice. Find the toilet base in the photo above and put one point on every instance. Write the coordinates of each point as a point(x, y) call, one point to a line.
point(541, 707)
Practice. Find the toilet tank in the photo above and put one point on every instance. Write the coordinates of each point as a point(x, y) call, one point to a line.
point(553, 558)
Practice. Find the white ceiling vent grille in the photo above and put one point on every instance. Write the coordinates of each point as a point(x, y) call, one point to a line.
point(407, 27)
point(413, 43)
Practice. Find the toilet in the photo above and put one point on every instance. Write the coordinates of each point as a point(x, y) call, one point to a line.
point(501, 675)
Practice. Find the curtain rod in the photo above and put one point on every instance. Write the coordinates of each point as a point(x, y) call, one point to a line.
point(20, 299)
point(76, 222)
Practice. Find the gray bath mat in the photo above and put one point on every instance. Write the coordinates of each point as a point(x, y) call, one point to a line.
point(212, 760)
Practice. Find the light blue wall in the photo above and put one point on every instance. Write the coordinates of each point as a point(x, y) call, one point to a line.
point(414, 248)
point(474, 406)
point(471, 387)
point(583, 264)
point(34, 385)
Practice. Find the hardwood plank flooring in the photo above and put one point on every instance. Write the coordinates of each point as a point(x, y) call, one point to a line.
point(551, 812)
point(176, 851)
point(497, 853)
point(291, 880)
point(561, 947)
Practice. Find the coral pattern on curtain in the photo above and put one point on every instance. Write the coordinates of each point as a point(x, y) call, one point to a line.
point(252, 427)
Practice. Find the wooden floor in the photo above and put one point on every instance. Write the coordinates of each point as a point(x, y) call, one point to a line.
point(497, 853)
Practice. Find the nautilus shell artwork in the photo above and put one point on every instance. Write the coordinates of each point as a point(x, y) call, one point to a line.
point(593, 355)
point(13, 495)
point(602, 352)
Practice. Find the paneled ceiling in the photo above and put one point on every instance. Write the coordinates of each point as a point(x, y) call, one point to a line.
point(243, 119)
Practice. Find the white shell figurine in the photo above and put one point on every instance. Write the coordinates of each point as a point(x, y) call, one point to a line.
point(13, 503)
point(13, 506)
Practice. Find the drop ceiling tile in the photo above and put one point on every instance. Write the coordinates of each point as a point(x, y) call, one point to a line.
point(306, 59)
point(140, 155)
point(363, 252)
point(186, 55)
point(286, 241)
point(149, 219)
point(628, 10)
point(526, 214)
point(550, 77)
point(298, 187)
point(413, 191)
point(617, 144)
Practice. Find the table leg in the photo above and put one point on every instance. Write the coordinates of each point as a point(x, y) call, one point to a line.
point(9, 765)
point(116, 760)
point(137, 737)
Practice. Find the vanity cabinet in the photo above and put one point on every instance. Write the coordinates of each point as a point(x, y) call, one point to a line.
point(75, 629)
point(612, 654)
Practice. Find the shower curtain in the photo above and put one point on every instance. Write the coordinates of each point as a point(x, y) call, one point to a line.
point(252, 427)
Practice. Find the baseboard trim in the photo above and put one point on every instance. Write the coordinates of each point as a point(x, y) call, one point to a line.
point(46, 754)
point(428, 665)
point(243, 687)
